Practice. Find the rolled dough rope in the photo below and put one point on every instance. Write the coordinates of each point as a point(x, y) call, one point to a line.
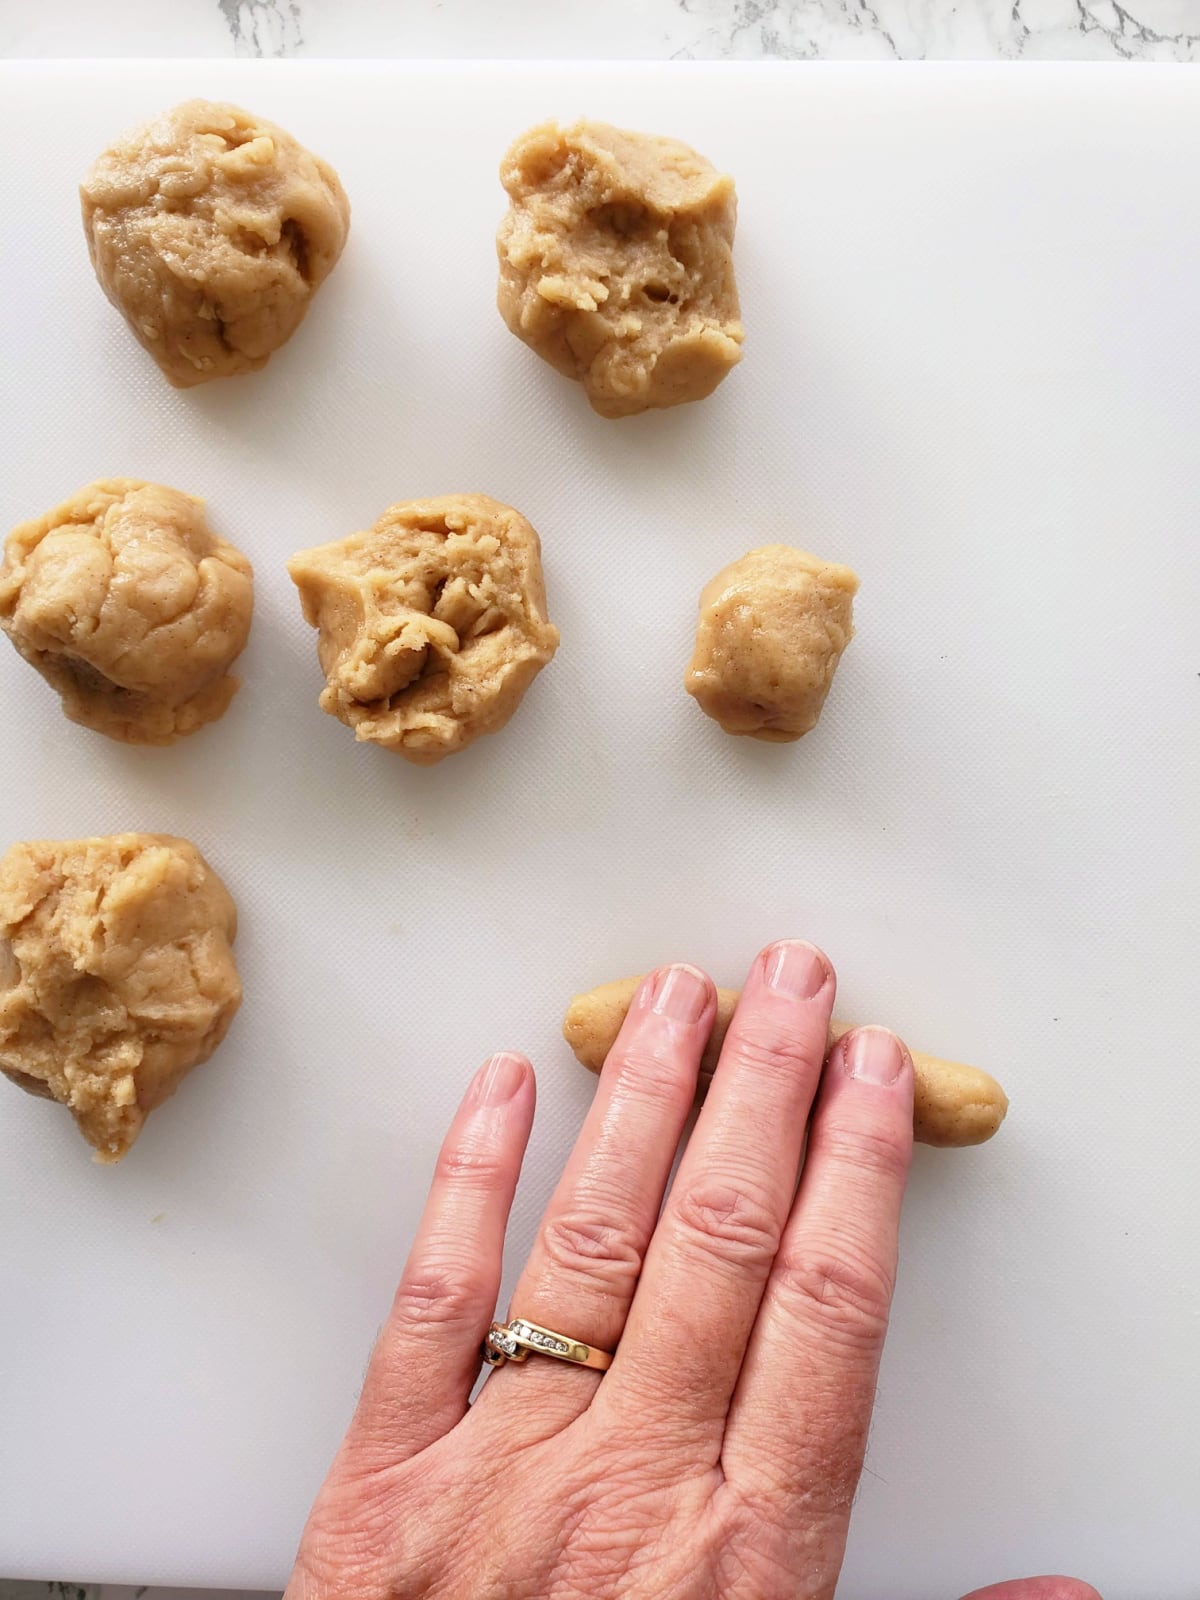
point(953, 1105)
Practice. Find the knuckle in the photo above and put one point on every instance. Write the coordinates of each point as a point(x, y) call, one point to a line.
point(440, 1297)
point(772, 1050)
point(843, 1293)
point(874, 1152)
point(655, 1072)
point(730, 1222)
point(467, 1166)
point(604, 1254)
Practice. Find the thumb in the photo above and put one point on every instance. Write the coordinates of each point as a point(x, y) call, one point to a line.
point(1036, 1589)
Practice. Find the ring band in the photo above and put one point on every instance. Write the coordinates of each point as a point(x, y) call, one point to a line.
point(517, 1339)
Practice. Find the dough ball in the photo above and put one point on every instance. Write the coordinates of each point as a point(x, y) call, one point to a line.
point(772, 630)
point(116, 976)
point(210, 231)
point(432, 624)
point(128, 605)
point(616, 264)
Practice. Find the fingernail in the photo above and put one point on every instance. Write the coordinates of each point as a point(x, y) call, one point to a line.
point(873, 1055)
point(682, 994)
point(499, 1079)
point(795, 968)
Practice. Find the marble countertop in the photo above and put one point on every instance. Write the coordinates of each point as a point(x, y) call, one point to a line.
point(1027, 30)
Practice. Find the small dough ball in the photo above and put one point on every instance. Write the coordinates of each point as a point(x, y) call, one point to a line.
point(772, 630)
point(432, 624)
point(116, 975)
point(130, 607)
point(616, 264)
point(210, 231)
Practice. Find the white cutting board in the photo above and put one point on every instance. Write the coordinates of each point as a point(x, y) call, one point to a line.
point(973, 328)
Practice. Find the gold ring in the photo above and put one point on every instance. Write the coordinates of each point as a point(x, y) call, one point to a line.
point(518, 1338)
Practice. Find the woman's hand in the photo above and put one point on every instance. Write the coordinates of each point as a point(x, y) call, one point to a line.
point(719, 1455)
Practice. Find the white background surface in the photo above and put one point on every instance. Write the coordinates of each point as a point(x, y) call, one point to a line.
point(970, 374)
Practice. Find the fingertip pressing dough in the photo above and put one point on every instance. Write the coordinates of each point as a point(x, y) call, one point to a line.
point(116, 975)
point(431, 625)
point(130, 607)
point(616, 264)
point(953, 1105)
point(772, 629)
point(210, 230)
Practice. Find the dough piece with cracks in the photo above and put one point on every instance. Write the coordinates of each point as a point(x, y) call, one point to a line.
point(210, 230)
point(130, 607)
point(431, 625)
point(616, 264)
point(116, 975)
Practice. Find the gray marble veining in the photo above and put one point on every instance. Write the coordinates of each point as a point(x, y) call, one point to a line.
point(1030, 30)
point(1151, 30)
point(263, 27)
point(913, 30)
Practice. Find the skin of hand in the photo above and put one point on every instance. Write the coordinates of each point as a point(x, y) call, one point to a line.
point(718, 1458)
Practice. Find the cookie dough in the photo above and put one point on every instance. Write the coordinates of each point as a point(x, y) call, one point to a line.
point(116, 976)
point(130, 607)
point(431, 625)
point(953, 1105)
point(210, 230)
point(772, 630)
point(616, 264)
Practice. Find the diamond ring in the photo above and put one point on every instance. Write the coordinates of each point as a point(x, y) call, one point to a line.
point(513, 1341)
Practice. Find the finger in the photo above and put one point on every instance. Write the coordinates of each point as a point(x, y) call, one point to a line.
point(1036, 1589)
point(588, 1254)
point(798, 1425)
point(427, 1356)
point(714, 1246)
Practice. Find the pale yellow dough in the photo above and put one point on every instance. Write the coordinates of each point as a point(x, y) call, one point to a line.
point(210, 231)
point(116, 975)
point(616, 263)
point(130, 607)
point(953, 1104)
point(431, 625)
point(772, 629)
